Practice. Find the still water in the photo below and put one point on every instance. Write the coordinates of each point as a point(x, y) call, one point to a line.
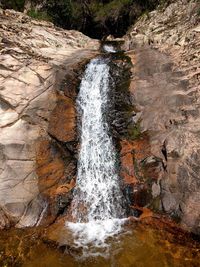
point(140, 246)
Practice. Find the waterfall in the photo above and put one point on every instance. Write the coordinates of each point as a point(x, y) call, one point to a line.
point(109, 49)
point(98, 202)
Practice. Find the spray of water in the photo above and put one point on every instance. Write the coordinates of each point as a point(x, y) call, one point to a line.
point(97, 204)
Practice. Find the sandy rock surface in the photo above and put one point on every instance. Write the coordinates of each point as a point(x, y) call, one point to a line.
point(164, 47)
point(35, 57)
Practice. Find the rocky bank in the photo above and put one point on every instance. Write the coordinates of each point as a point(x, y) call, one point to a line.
point(164, 46)
point(40, 68)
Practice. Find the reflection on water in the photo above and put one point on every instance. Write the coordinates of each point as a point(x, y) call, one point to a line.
point(140, 246)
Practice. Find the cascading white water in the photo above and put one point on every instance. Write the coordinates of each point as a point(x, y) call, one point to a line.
point(109, 49)
point(97, 202)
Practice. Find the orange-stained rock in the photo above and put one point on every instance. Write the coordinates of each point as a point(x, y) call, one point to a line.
point(145, 212)
point(50, 166)
point(141, 147)
point(140, 172)
point(131, 154)
point(65, 188)
point(62, 123)
point(127, 162)
point(128, 179)
point(56, 171)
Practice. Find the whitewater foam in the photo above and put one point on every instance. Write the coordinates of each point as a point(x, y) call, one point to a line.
point(109, 49)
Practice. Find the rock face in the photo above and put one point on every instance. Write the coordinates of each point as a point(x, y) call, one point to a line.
point(165, 51)
point(40, 66)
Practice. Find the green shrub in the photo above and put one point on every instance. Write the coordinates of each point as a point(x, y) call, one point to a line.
point(134, 131)
point(40, 15)
point(101, 11)
point(13, 4)
point(60, 11)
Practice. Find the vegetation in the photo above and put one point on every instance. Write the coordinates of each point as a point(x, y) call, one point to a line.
point(134, 131)
point(94, 18)
point(41, 15)
point(13, 4)
point(112, 8)
point(60, 12)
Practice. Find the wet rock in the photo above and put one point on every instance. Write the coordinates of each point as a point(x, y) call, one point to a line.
point(63, 117)
point(141, 173)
